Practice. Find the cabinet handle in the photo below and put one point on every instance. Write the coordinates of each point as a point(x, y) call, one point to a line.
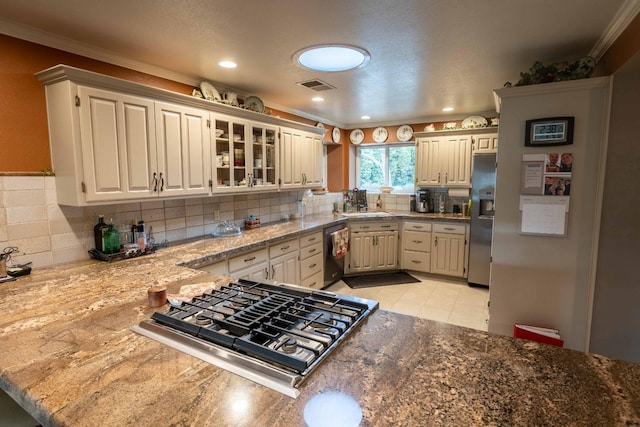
point(312, 239)
point(435, 242)
point(438, 177)
point(385, 226)
point(311, 285)
point(155, 182)
point(449, 228)
point(161, 182)
point(273, 272)
point(418, 226)
point(446, 177)
point(249, 259)
point(365, 227)
point(313, 265)
point(417, 241)
point(312, 250)
point(416, 262)
point(266, 273)
point(284, 248)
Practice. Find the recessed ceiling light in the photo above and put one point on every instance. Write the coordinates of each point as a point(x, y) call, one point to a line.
point(447, 109)
point(365, 117)
point(227, 64)
point(331, 58)
point(317, 99)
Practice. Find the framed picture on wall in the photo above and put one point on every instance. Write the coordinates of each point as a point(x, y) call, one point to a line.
point(549, 131)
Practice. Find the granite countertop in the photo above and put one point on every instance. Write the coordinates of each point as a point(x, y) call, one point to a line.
point(69, 358)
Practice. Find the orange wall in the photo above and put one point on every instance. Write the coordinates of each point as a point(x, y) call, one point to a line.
point(627, 44)
point(24, 136)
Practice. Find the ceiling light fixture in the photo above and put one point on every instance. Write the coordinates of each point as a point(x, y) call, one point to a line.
point(227, 64)
point(365, 117)
point(317, 99)
point(331, 58)
point(447, 109)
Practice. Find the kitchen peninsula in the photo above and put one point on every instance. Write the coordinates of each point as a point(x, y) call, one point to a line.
point(69, 358)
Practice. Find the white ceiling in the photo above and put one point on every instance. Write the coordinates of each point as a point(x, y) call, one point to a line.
point(425, 54)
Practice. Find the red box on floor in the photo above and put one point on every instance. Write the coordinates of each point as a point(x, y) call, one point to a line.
point(538, 334)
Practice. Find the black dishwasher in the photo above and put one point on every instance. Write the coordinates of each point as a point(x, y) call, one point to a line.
point(333, 267)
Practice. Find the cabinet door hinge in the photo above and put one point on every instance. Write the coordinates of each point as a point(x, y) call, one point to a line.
point(490, 259)
point(84, 187)
point(210, 183)
point(77, 101)
point(209, 123)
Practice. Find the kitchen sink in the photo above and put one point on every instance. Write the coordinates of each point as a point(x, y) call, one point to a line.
point(365, 214)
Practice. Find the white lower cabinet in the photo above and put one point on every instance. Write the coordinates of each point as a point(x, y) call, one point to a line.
point(219, 267)
point(251, 265)
point(372, 246)
point(283, 260)
point(416, 246)
point(449, 242)
point(311, 260)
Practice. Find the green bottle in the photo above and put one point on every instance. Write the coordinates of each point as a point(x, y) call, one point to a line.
point(111, 240)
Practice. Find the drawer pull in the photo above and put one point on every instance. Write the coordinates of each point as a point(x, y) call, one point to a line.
point(385, 226)
point(313, 239)
point(416, 262)
point(312, 250)
point(417, 241)
point(449, 228)
point(418, 226)
point(249, 259)
point(312, 284)
point(365, 227)
point(284, 248)
point(312, 265)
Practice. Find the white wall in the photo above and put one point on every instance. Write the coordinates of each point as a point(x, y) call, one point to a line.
point(615, 330)
point(548, 281)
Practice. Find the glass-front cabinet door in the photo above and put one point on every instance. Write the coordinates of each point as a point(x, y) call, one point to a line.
point(263, 173)
point(232, 150)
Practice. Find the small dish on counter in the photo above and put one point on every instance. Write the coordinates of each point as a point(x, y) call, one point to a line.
point(226, 229)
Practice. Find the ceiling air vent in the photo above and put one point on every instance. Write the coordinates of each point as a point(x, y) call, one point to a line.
point(317, 85)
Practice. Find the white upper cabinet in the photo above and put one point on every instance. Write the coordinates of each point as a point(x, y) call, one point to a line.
point(183, 151)
point(113, 140)
point(117, 137)
point(443, 161)
point(485, 143)
point(301, 159)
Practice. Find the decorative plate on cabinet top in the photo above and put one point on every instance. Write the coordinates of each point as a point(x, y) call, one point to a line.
point(380, 134)
point(209, 92)
point(356, 136)
point(404, 133)
point(253, 103)
point(474, 122)
point(335, 134)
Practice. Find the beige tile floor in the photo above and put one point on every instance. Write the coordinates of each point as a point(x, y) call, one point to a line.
point(448, 301)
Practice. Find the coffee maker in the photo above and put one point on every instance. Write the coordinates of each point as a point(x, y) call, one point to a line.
point(423, 200)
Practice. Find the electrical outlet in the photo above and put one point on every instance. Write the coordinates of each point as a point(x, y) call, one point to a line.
point(216, 215)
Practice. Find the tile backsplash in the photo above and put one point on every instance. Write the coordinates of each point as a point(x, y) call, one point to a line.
point(47, 233)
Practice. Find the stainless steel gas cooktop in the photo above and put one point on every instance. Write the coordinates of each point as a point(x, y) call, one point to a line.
point(271, 333)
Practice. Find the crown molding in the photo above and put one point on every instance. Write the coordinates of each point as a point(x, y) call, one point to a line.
point(627, 12)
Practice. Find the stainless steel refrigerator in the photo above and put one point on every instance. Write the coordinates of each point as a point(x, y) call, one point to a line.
point(483, 183)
